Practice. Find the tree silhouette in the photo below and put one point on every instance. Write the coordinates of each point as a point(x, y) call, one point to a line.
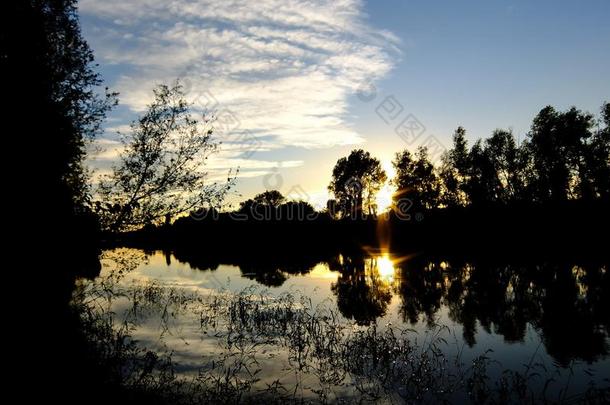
point(508, 164)
point(51, 71)
point(561, 159)
point(597, 158)
point(53, 109)
point(160, 172)
point(355, 181)
point(454, 171)
point(297, 210)
point(416, 178)
point(272, 198)
point(361, 294)
point(333, 209)
point(482, 183)
point(558, 142)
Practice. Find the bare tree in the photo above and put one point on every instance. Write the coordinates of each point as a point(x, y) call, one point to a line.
point(160, 171)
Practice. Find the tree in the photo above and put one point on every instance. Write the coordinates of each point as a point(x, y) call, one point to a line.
point(54, 88)
point(355, 181)
point(272, 198)
point(575, 131)
point(504, 158)
point(558, 143)
point(416, 178)
point(482, 184)
point(454, 171)
point(297, 210)
point(263, 206)
point(597, 158)
point(53, 108)
point(160, 171)
point(362, 294)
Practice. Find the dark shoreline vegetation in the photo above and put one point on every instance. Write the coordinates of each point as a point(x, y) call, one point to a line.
point(572, 229)
point(529, 217)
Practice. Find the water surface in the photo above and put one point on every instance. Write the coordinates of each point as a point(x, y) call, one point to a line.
point(553, 314)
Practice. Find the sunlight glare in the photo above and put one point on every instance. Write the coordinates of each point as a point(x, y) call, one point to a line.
point(385, 267)
point(384, 196)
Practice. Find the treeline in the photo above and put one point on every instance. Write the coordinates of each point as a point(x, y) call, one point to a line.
point(565, 156)
point(545, 196)
point(161, 174)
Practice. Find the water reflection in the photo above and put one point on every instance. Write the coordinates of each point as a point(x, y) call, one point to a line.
point(303, 325)
point(364, 286)
point(566, 304)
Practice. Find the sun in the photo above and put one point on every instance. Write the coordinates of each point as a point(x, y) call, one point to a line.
point(383, 198)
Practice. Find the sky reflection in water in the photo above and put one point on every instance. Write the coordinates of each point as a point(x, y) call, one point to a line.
point(555, 313)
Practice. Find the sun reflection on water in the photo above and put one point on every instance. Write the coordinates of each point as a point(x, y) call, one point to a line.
point(385, 267)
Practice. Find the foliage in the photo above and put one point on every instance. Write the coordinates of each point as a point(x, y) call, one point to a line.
point(55, 89)
point(563, 158)
point(160, 171)
point(355, 181)
point(416, 178)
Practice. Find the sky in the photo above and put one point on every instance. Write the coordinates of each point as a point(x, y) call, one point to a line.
point(297, 84)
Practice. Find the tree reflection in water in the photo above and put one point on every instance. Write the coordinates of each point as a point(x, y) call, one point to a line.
point(364, 286)
point(567, 304)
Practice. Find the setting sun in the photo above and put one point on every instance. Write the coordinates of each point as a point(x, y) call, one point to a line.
point(384, 196)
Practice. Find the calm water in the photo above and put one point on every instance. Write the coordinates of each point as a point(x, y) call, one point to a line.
point(556, 314)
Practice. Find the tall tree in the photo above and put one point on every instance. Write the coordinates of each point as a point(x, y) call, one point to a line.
point(504, 158)
point(355, 181)
point(482, 183)
point(597, 158)
point(558, 144)
point(55, 88)
point(575, 130)
point(455, 170)
point(416, 178)
point(55, 106)
point(496, 170)
point(160, 173)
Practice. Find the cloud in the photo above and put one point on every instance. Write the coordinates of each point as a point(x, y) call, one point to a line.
point(282, 70)
point(219, 165)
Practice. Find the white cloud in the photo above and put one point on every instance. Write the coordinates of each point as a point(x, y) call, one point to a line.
point(283, 69)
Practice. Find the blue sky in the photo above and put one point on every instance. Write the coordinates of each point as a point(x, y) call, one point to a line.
point(298, 84)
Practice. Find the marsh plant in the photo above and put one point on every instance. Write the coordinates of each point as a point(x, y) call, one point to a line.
point(285, 349)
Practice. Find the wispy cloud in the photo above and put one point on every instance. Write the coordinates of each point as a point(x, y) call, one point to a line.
point(283, 69)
